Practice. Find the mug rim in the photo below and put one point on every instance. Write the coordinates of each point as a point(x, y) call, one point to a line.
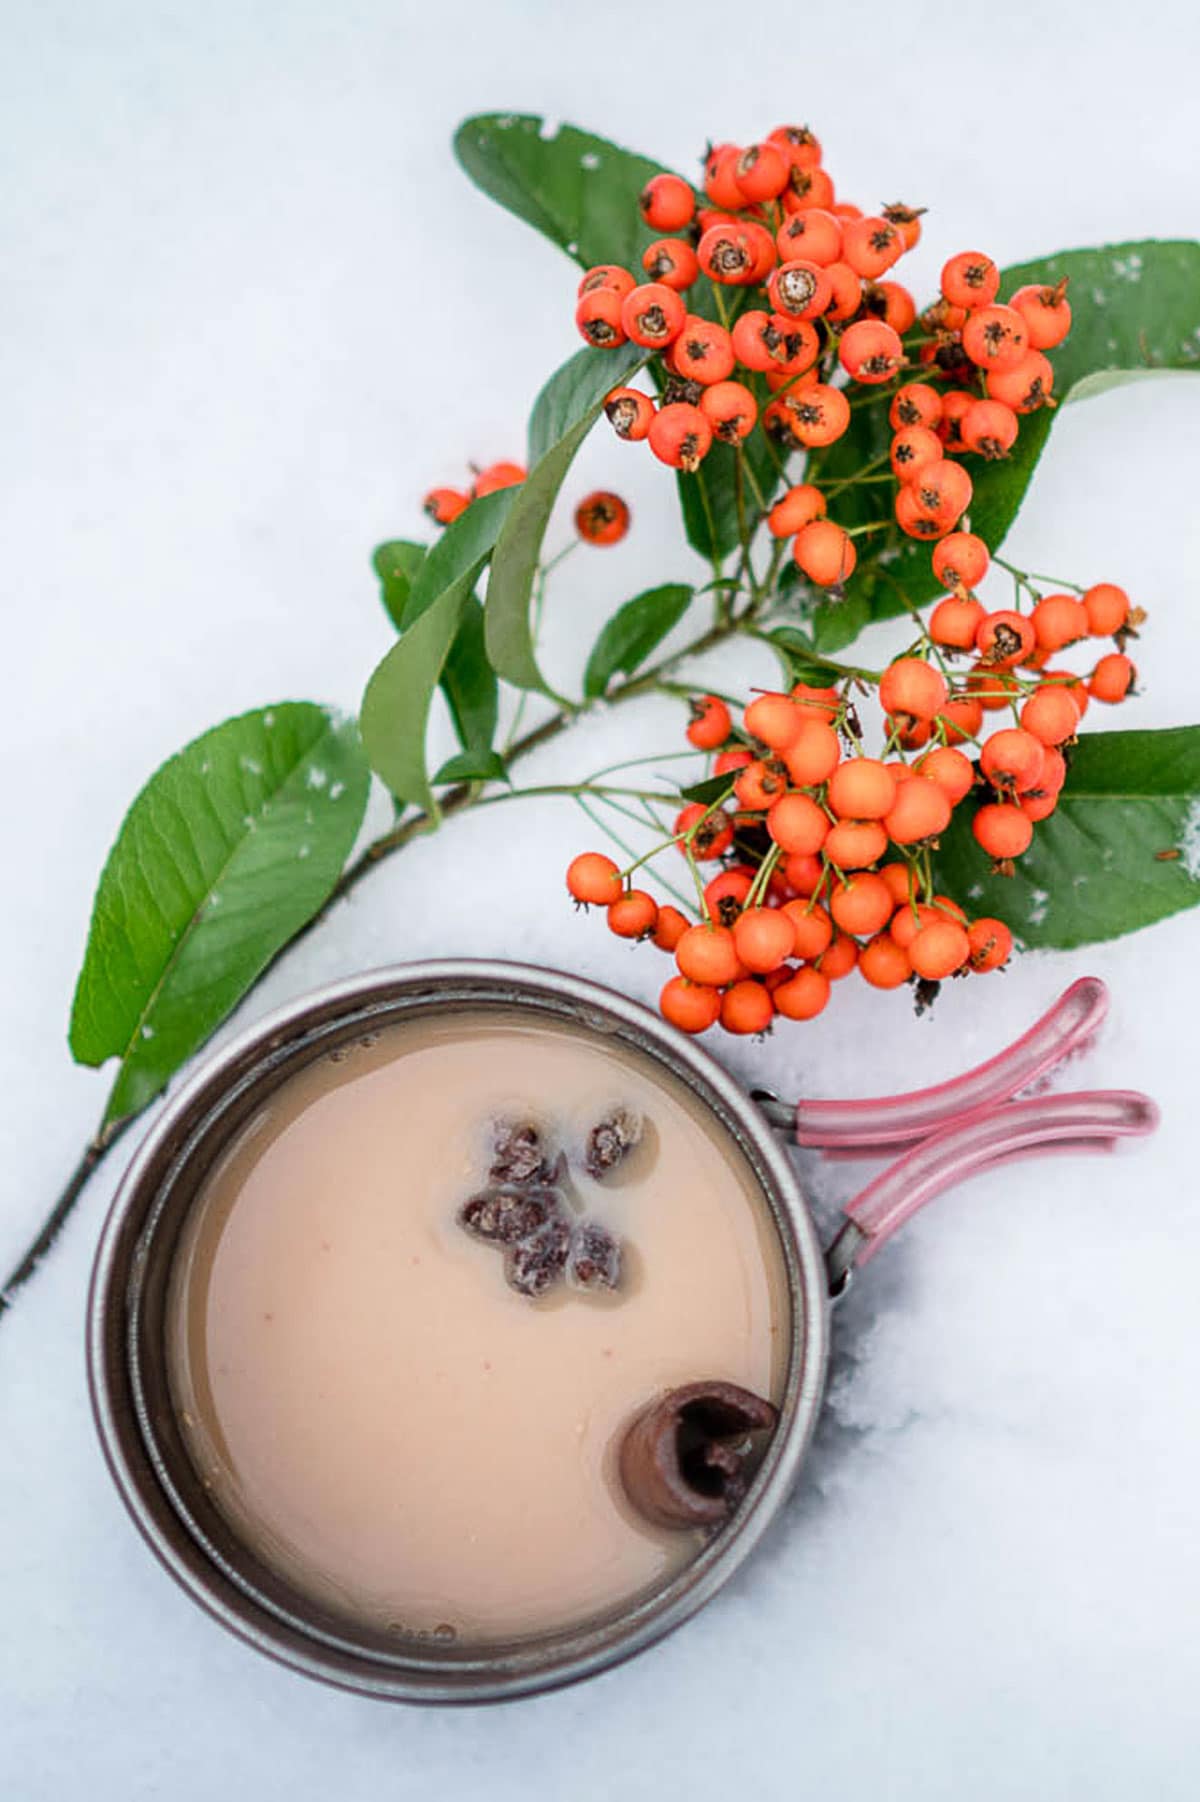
point(135, 1459)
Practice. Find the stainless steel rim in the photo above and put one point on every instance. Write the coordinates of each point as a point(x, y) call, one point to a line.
point(128, 1435)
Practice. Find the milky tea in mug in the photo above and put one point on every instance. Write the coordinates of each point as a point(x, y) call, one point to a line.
point(409, 1415)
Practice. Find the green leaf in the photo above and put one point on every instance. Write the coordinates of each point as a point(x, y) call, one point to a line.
point(395, 708)
point(473, 766)
point(396, 564)
point(572, 399)
point(469, 683)
point(709, 496)
point(634, 630)
point(708, 791)
point(800, 661)
point(1094, 869)
point(230, 848)
point(578, 190)
point(1136, 312)
point(463, 547)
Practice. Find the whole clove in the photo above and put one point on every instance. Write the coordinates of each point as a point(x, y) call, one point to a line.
point(687, 1459)
point(594, 1261)
point(611, 1140)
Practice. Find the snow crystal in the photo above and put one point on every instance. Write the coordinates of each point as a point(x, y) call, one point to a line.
point(317, 777)
point(1039, 901)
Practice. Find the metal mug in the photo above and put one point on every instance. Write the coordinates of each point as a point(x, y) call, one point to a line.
point(950, 1131)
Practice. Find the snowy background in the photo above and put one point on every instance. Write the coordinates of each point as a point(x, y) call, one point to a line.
point(251, 309)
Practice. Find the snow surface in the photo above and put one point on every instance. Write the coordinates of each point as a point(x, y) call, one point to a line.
point(237, 345)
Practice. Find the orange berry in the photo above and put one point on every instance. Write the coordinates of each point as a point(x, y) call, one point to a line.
point(775, 719)
point(818, 416)
point(1012, 759)
point(612, 276)
point(1074, 685)
point(1058, 620)
point(825, 553)
point(593, 879)
point(630, 413)
point(727, 253)
point(990, 429)
point(443, 505)
point(1107, 608)
point(916, 403)
point(892, 303)
point(763, 936)
point(725, 894)
point(871, 246)
point(747, 1008)
point(691, 1006)
point(497, 476)
point(804, 872)
point(814, 236)
point(883, 963)
point(797, 824)
point(961, 561)
point(681, 436)
point(804, 995)
point(814, 754)
point(671, 261)
point(943, 490)
point(812, 928)
point(915, 520)
point(961, 718)
point(703, 351)
point(801, 145)
point(728, 762)
point(761, 783)
point(861, 788)
point(1046, 312)
point(950, 770)
point(912, 448)
point(1112, 678)
point(652, 315)
point(845, 289)
point(862, 904)
point(730, 409)
point(720, 181)
point(870, 351)
point(761, 172)
point(855, 844)
point(799, 289)
point(667, 203)
point(912, 734)
point(633, 915)
point(1037, 806)
point(670, 928)
point(708, 831)
point(901, 882)
point(938, 949)
point(1002, 830)
point(807, 187)
point(602, 518)
point(1050, 715)
point(598, 317)
point(920, 811)
point(710, 723)
point(955, 621)
point(707, 953)
point(991, 944)
point(839, 959)
point(1025, 387)
point(970, 279)
point(795, 510)
point(824, 702)
point(995, 337)
point(1004, 638)
point(912, 689)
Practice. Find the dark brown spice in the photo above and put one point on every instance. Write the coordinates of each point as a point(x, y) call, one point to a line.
point(687, 1459)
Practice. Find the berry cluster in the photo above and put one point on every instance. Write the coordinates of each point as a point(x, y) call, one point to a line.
point(804, 313)
point(823, 853)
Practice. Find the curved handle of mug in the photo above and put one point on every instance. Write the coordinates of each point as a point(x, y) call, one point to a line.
point(1094, 1120)
point(884, 1123)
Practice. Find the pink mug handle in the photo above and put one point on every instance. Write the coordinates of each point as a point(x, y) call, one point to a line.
point(1093, 1120)
point(883, 1123)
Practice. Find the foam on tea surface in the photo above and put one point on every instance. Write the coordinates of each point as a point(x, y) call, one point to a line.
point(379, 1413)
